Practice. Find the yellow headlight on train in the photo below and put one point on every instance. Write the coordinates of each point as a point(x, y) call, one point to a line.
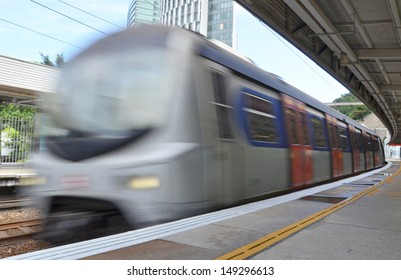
point(32, 180)
point(144, 182)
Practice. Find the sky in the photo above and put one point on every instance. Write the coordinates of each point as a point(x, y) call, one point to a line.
point(27, 28)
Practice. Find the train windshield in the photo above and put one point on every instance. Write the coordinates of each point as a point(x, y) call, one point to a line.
point(114, 93)
point(107, 100)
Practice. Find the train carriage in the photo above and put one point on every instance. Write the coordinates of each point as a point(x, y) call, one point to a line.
point(143, 137)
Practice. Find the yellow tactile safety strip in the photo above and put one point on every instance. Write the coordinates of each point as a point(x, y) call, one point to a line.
point(255, 247)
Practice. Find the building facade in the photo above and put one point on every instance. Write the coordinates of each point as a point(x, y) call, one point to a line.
point(189, 14)
point(143, 12)
point(212, 18)
point(220, 22)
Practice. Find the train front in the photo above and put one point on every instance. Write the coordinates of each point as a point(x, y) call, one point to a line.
point(114, 136)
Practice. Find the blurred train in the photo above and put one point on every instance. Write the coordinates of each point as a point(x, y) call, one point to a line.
point(157, 123)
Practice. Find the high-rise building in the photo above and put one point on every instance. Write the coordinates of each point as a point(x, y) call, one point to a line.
point(211, 18)
point(143, 12)
point(189, 14)
point(220, 22)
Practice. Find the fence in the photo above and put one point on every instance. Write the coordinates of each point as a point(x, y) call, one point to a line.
point(16, 141)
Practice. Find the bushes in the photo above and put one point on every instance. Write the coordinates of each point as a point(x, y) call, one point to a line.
point(17, 132)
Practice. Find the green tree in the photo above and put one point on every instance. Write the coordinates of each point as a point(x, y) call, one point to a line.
point(59, 62)
point(357, 112)
point(8, 111)
point(16, 132)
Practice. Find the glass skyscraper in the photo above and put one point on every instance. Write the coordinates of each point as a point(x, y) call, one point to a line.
point(143, 12)
point(220, 22)
point(188, 14)
point(211, 18)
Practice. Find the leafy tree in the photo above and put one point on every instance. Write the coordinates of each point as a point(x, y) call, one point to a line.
point(357, 112)
point(59, 62)
point(16, 132)
point(46, 60)
point(8, 111)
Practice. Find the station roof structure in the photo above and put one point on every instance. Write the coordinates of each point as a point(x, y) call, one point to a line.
point(358, 42)
point(22, 82)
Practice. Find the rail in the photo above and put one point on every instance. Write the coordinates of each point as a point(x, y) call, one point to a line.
point(15, 230)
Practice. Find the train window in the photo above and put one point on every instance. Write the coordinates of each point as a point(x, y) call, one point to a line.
point(304, 126)
point(352, 138)
point(368, 143)
point(344, 138)
point(333, 139)
point(259, 105)
point(359, 142)
point(376, 149)
point(261, 128)
point(355, 141)
point(292, 125)
point(318, 132)
point(376, 145)
point(222, 107)
point(219, 88)
point(335, 136)
point(261, 119)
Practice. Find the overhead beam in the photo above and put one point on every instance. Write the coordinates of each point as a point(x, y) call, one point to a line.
point(379, 53)
point(344, 104)
point(394, 10)
point(394, 87)
point(322, 23)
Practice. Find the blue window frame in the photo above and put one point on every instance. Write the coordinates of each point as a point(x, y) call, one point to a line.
point(261, 119)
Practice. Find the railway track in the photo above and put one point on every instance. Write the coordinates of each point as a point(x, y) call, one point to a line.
point(20, 229)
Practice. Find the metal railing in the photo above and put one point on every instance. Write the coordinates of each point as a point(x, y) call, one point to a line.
point(16, 141)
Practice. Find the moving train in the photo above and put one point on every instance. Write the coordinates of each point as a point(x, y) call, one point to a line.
point(156, 123)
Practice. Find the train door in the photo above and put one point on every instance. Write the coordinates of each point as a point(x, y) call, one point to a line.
point(345, 143)
point(336, 151)
point(376, 153)
point(368, 150)
point(299, 142)
point(354, 150)
point(227, 167)
point(360, 153)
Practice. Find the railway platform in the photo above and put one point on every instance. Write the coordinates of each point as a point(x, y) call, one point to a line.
point(358, 218)
point(10, 177)
point(16, 171)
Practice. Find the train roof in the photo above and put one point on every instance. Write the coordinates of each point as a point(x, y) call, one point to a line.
point(146, 35)
point(160, 35)
point(237, 64)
